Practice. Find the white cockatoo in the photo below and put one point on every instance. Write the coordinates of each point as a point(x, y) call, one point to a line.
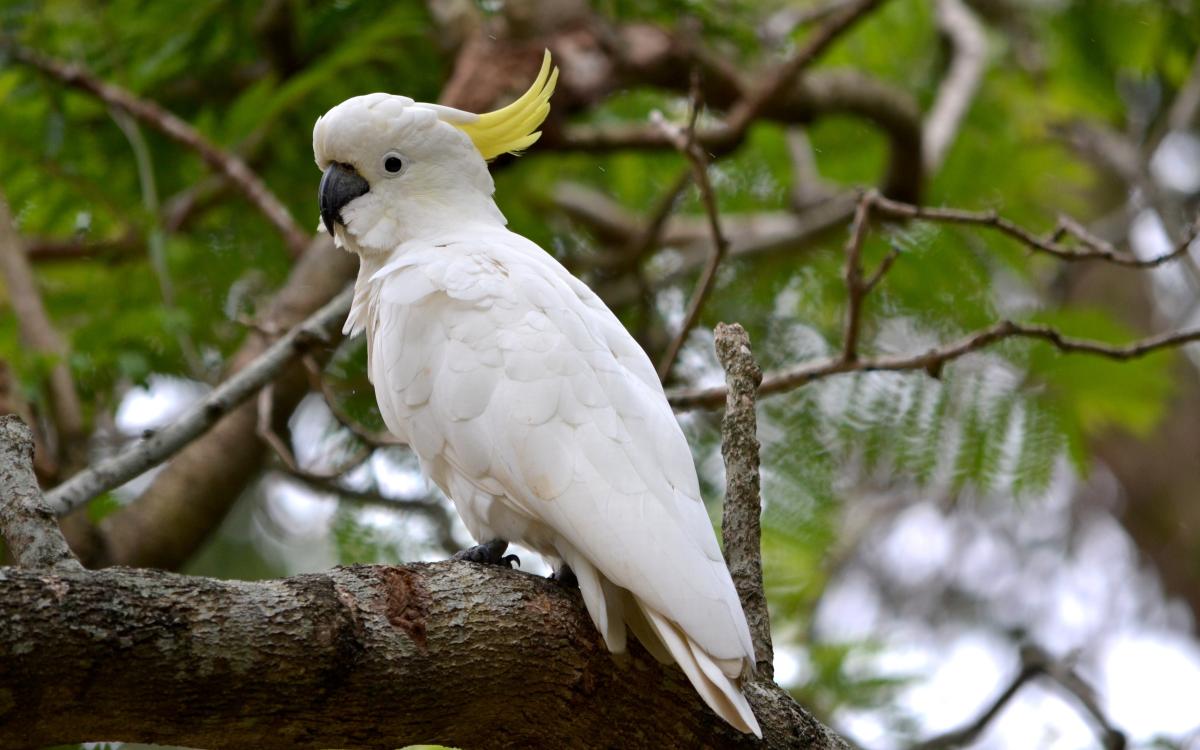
point(525, 399)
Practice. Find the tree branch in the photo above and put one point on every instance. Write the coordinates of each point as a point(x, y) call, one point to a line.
point(1035, 662)
point(236, 170)
point(27, 525)
point(957, 90)
point(932, 360)
point(428, 506)
point(686, 143)
point(740, 527)
point(856, 289)
point(1087, 249)
point(372, 438)
point(39, 334)
point(362, 657)
point(268, 434)
point(138, 457)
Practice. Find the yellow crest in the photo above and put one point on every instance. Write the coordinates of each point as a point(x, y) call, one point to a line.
point(512, 128)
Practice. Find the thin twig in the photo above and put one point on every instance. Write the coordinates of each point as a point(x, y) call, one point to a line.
point(686, 143)
point(138, 457)
point(856, 290)
point(1087, 249)
point(1035, 662)
point(428, 506)
point(934, 359)
point(29, 528)
point(967, 734)
point(268, 434)
point(740, 527)
point(639, 244)
point(155, 116)
point(885, 265)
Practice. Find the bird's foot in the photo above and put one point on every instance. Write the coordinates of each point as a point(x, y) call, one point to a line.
point(564, 576)
point(489, 553)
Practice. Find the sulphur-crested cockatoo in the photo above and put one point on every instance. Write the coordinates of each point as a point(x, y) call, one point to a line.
point(523, 396)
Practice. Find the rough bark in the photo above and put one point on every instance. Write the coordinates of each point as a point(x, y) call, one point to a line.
point(740, 526)
point(26, 524)
point(360, 657)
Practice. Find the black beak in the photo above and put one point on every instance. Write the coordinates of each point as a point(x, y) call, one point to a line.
point(339, 185)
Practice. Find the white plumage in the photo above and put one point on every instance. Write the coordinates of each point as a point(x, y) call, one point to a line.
point(525, 399)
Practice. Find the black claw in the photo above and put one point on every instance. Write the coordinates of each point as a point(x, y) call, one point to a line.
point(564, 576)
point(489, 553)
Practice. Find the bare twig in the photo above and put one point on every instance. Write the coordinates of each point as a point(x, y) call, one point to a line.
point(967, 734)
point(40, 335)
point(856, 289)
point(268, 434)
point(1062, 673)
point(139, 457)
point(968, 58)
point(28, 526)
point(1035, 662)
point(1086, 250)
point(885, 265)
point(639, 243)
point(686, 143)
point(934, 359)
point(740, 527)
point(167, 123)
point(429, 506)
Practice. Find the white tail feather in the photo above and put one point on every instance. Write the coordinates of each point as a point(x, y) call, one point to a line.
point(612, 608)
point(721, 692)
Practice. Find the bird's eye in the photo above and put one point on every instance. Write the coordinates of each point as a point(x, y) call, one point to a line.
point(393, 164)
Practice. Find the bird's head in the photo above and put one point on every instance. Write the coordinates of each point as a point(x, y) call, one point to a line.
point(394, 168)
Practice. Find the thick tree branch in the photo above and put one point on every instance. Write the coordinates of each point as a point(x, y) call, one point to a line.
point(40, 335)
point(27, 525)
point(224, 162)
point(361, 657)
point(138, 457)
point(740, 529)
